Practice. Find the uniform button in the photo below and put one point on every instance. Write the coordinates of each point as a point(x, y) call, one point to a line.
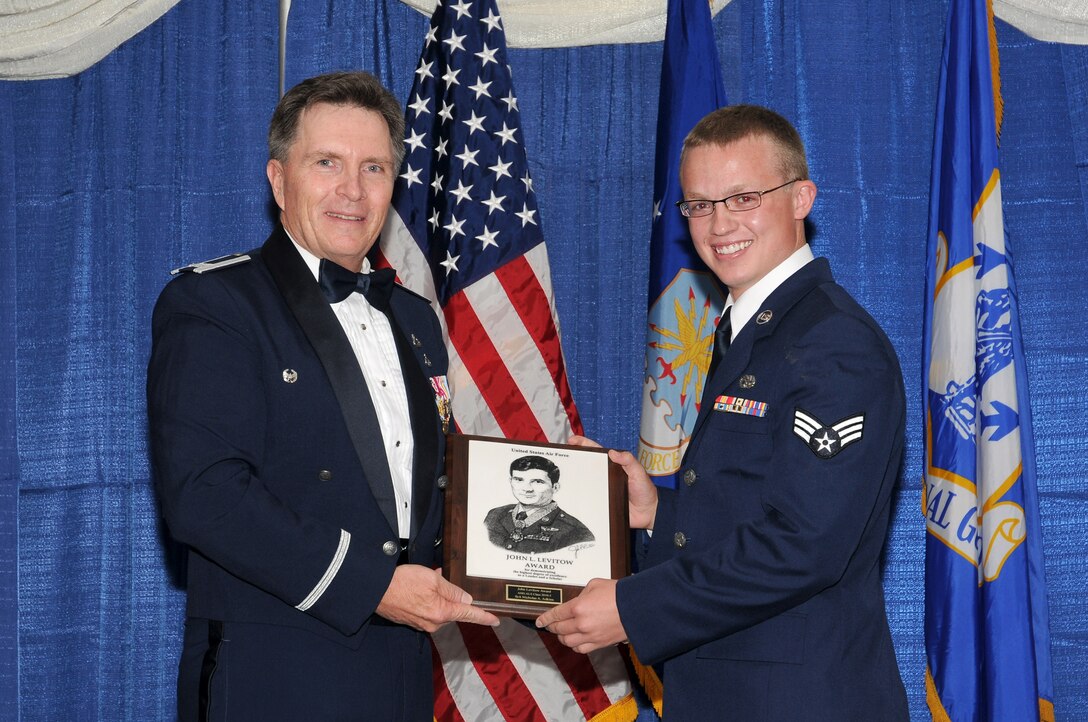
point(690, 476)
point(679, 540)
point(391, 549)
point(324, 475)
point(442, 482)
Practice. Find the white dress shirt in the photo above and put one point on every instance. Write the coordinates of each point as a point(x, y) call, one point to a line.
point(750, 301)
point(371, 338)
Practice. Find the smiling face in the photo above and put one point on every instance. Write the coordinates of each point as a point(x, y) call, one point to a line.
point(532, 487)
point(335, 186)
point(742, 247)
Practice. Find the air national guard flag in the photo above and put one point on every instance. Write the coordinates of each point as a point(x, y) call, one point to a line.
point(467, 234)
point(987, 641)
point(685, 300)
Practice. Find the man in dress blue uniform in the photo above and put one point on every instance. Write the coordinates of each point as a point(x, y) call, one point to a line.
point(760, 590)
point(298, 440)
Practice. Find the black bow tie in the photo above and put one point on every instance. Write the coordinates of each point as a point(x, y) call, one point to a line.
point(337, 283)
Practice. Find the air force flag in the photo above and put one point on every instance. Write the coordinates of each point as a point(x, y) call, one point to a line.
point(685, 299)
point(987, 637)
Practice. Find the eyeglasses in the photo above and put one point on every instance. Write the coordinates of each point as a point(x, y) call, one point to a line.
point(746, 201)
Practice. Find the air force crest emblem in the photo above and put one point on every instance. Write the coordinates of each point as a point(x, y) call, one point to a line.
point(826, 440)
point(681, 324)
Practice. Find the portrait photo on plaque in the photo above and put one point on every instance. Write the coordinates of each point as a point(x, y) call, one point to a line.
point(530, 524)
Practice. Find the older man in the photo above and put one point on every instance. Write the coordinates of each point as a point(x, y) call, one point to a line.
point(298, 443)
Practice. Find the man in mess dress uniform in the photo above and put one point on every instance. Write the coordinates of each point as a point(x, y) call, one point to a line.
point(296, 404)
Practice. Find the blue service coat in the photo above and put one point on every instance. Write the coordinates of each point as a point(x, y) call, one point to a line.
point(270, 466)
point(761, 591)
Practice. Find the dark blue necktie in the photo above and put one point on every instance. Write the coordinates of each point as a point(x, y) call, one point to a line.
point(337, 283)
point(722, 336)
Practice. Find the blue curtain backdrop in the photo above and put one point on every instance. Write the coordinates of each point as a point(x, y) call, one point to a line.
point(155, 157)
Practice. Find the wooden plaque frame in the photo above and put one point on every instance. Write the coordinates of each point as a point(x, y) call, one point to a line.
point(513, 582)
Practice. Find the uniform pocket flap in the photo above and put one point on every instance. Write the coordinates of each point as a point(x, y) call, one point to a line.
point(743, 423)
point(779, 639)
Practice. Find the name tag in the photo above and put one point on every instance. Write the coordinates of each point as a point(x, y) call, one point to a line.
point(737, 405)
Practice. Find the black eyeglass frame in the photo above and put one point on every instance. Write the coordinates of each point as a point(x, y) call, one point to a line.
point(685, 205)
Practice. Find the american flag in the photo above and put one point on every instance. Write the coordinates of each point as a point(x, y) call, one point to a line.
point(467, 234)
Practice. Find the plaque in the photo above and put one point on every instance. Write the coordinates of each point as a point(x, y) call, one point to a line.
point(528, 524)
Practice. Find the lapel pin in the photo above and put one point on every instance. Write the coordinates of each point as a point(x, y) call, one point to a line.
point(747, 381)
point(290, 376)
point(764, 317)
point(426, 361)
point(415, 341)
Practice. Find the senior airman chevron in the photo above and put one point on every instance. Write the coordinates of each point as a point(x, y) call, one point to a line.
point(736, 405)
point(827, 440)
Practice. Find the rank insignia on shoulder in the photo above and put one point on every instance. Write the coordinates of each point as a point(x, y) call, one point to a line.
point(737, 405)
point(826, 440)
point(214, 264)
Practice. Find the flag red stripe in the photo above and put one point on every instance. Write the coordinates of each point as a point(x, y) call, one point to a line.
point(527, 296)
point(580, 676)
point(499, 675)
point(492, 378)
point(378, 259)
point(445, 708)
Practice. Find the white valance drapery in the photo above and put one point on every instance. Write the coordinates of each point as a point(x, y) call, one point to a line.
point(1059, 21)
point(566, 23)
point(56, 38)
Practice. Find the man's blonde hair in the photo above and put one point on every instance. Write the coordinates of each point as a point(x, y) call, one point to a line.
point(736, 122)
